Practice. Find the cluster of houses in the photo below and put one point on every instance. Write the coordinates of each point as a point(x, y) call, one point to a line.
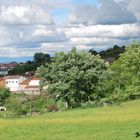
point(19, 84)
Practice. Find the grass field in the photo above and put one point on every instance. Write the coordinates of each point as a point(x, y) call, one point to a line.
point(105, 123)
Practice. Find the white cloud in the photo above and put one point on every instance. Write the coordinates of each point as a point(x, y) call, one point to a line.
point(24, 15)
point(109, 13)
point(102, 36)
point(40, 32)
point(19, 35)
point(17, 52)
point(51, 33)
point(56, 39)
point(108, 31)
point(52, 48)
point(34, 30)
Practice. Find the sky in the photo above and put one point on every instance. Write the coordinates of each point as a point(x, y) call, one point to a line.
point(50, 26)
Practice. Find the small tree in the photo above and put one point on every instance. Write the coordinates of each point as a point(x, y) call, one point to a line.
point(76, 77)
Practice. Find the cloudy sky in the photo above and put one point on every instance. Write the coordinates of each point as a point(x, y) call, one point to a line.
point(49, 26)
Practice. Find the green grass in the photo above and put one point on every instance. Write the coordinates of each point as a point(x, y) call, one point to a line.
point(105, 123)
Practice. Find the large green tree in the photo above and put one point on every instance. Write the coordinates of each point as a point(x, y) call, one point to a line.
point(126, 72)
point(75, 77)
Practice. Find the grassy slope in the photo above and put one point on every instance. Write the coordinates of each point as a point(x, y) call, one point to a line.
point(107, 123)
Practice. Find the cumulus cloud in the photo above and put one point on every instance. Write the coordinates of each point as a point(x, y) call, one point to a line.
point(102, 36)
point(108, 31)
point(28, 27)
point(110, 12)
point(49, 34)
point(24, 15)
point(56, 39)
point(49, 4)
point(30, 35)
point(52, 48)
point(17, 51)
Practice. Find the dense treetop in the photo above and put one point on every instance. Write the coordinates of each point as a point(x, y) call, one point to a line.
point(76, 77)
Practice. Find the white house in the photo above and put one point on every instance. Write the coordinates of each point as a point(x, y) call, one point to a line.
point(34, 81)
point(12, 82)
point(30, 86)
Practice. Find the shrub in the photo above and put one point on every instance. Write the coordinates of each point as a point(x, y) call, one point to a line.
point(23, 104)
point(4, 94)
point(52, 108)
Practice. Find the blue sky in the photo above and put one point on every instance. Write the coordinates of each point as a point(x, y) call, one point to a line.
point(52, 26)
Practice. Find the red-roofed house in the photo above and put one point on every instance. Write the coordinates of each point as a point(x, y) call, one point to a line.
point(23, 84)
point(30, 86)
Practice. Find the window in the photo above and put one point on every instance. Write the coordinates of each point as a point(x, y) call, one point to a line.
point(12, 81)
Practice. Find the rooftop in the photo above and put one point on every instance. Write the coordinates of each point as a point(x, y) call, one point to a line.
point(25, 82)
point(13, 77)
point(35, 78)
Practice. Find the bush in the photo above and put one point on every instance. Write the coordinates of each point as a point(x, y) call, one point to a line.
point(4, 94)
point(26, 105)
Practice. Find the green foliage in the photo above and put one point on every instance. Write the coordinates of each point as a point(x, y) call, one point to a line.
point(23, 104)
point(125, 80)
point(41, 59)
point(75, 77)
point(110, 54)
point(92, 51)
point(31, 66)
point(23, 68)
point(4, 94)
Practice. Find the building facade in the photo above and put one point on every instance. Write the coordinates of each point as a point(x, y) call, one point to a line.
point(12, 82)
point(30, 86)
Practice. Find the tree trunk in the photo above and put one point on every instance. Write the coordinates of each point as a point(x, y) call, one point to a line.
point(66, 105)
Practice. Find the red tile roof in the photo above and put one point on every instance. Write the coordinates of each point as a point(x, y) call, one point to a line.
point(25, 82)
point(35, 78)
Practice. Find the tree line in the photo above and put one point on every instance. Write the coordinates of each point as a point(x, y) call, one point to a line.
point(110, 54)
point(31, 66)
point(39, 59)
